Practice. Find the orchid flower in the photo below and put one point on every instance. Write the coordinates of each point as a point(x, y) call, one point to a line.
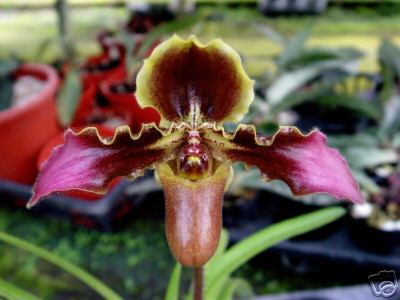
point(196, 88)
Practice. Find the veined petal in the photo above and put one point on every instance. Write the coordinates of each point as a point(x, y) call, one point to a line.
point(89, 162)
point(304, 162)
point(188, 81)
point(193, 213)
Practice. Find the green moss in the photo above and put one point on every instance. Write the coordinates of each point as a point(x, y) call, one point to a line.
point(274, 280)
point(135, 261)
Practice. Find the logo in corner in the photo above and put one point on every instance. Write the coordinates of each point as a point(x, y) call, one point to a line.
point(384, 284)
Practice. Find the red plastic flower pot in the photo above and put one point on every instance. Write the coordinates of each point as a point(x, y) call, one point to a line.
point(59, 140)
point(24, 129)
point(89, 113)
point(109, 64)
point(121, 96)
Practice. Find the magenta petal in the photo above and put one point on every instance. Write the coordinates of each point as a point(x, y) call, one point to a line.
point(85, 162)
point(304, 162)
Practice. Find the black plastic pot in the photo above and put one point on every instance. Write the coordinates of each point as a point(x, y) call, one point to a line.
point(144, 17)
point(373, 239)
point(106, 214)
point(328, 120)
point(266, 208)
point(332, 249)
point(279, 7)
point(356, 292)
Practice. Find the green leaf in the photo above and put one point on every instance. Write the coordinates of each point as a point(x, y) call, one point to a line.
point(311, 56)
point(352, 102)
point(294, 47)
point(396, 140)
point(43, 47)
point(258, 242)
point(295, 97)
point(268, 32)
point(74, 270)
point(235, 286)
point(389, 56)
point(169, 28)
point(7, 66)
point(360, 157)
point(391, 121)
point(366, 182)
point(388, 84)
point(289, 82)
point(12, 292)
point(285, 91)
point(6, 92)
point(356, 140)
point(130, 44)
point(243, 177)
point(68, 98)
point(174, 282)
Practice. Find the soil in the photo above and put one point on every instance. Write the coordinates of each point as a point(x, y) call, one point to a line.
point(24, 88)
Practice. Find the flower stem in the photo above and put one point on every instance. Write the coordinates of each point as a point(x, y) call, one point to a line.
point(198, 283)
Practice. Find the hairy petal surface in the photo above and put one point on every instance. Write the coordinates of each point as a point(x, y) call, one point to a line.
point(188, 81)
point(193, 209)
point(304, 162)
point(89, 162)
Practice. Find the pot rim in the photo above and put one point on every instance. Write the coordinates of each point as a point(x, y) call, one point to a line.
point(41, 71)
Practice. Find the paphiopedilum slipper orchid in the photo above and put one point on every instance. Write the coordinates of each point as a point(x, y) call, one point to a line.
point(195, 88)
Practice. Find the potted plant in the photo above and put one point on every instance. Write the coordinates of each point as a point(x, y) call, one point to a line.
point(109, 63)
point(379, 171)
point(316, 86)
point(29, 121)
point(120, 95)
point(193, 177)
point(252, 198)
point(379, 219)
point(313, 83)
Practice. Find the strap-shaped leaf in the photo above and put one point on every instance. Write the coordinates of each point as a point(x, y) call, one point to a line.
point(12, 292)
point(265, 238)
point(74, 270)
point(174, 283)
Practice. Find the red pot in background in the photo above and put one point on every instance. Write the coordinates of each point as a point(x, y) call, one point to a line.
point(120, 94)
point(59, 140)
point(25, 129)
point(109, 64)
point(90, 113)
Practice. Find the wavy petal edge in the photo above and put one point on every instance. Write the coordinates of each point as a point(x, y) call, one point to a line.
point(251, 136)
point(143, 95)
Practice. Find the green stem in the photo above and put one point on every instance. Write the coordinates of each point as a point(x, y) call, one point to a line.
point(74, 270)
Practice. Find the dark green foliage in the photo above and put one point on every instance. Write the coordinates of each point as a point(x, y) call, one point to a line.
point(135, 262)
point(7, 66)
